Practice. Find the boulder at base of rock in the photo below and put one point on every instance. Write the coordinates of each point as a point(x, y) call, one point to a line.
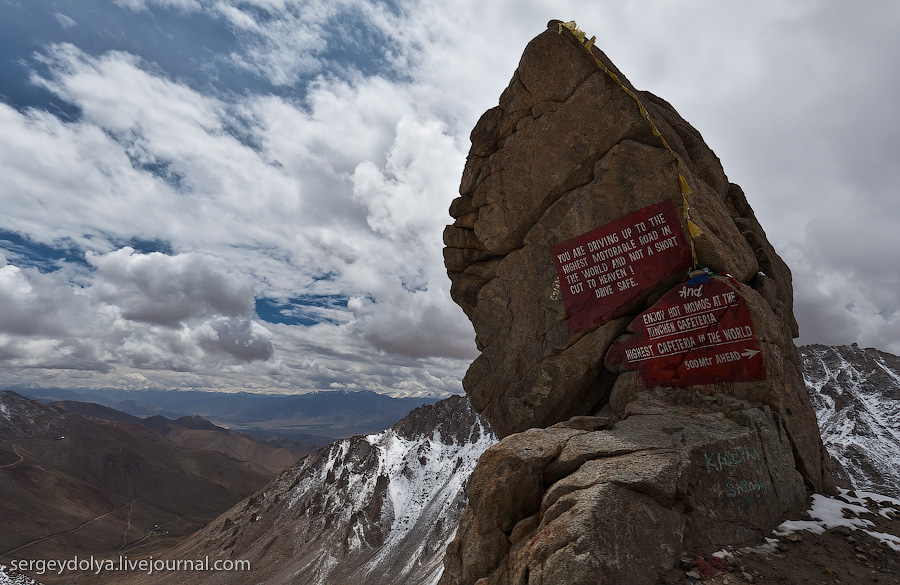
point(620, 505)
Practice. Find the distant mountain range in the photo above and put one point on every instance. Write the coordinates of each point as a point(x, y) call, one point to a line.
point(317, 417)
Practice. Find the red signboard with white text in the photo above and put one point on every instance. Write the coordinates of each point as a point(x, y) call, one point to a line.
point(603, 271)
point(700, 332)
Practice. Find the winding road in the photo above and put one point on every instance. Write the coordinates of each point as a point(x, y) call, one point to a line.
point(14, 462)
point(64, 532)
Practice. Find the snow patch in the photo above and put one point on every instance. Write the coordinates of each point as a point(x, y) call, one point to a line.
point(766, 548)
point(16, 579)
point(384, 501)
point(425, 480)
point(828, 513)
point(887, 539)
point(889, 371)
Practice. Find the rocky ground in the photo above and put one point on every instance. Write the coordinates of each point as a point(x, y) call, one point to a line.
point(853, 538)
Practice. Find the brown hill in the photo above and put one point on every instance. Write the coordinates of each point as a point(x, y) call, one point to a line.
point(80, 485)
point(98, 411)
point(238, 447)
point(195, 432)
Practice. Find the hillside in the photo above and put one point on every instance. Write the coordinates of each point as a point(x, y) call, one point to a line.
point(856, 395)
point(371, 509)
point(199, 434)
point(81, 485)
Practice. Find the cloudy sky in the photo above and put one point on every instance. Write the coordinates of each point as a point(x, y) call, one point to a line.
point(250, 194)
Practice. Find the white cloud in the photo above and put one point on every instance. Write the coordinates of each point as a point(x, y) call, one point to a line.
point(185, 312)
point(144, 5)
point(64, 21)
point(402, 198)
point(169, 290)
point(43, 321)
point(35, 304)
point(339, 185)
point(315, 223)
point(74, 176)
point(285, 46)
point(417, 325)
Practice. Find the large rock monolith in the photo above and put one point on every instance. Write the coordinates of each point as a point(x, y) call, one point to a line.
point(635, 328)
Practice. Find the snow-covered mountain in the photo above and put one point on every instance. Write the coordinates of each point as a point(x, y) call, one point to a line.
point(856, 394)
point(375, 509)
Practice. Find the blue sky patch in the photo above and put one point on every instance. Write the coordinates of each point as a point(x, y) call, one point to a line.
point(190, 47)
point(194, 48)
point(24, 252)
point(305, 310)
point(145, 246)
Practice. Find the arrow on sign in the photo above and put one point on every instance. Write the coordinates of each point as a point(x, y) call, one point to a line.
point(749, 353)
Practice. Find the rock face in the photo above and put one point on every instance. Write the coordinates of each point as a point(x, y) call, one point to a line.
point(635, 406)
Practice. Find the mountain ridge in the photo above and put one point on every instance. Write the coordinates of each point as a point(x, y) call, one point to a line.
point(197, 433)
point(354, 511)
point(323, 414)
point(856, 394)
point(330, 529)
point(79, 484)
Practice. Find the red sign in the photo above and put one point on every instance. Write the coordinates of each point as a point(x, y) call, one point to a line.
point(700, 332)
point(603, 271)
